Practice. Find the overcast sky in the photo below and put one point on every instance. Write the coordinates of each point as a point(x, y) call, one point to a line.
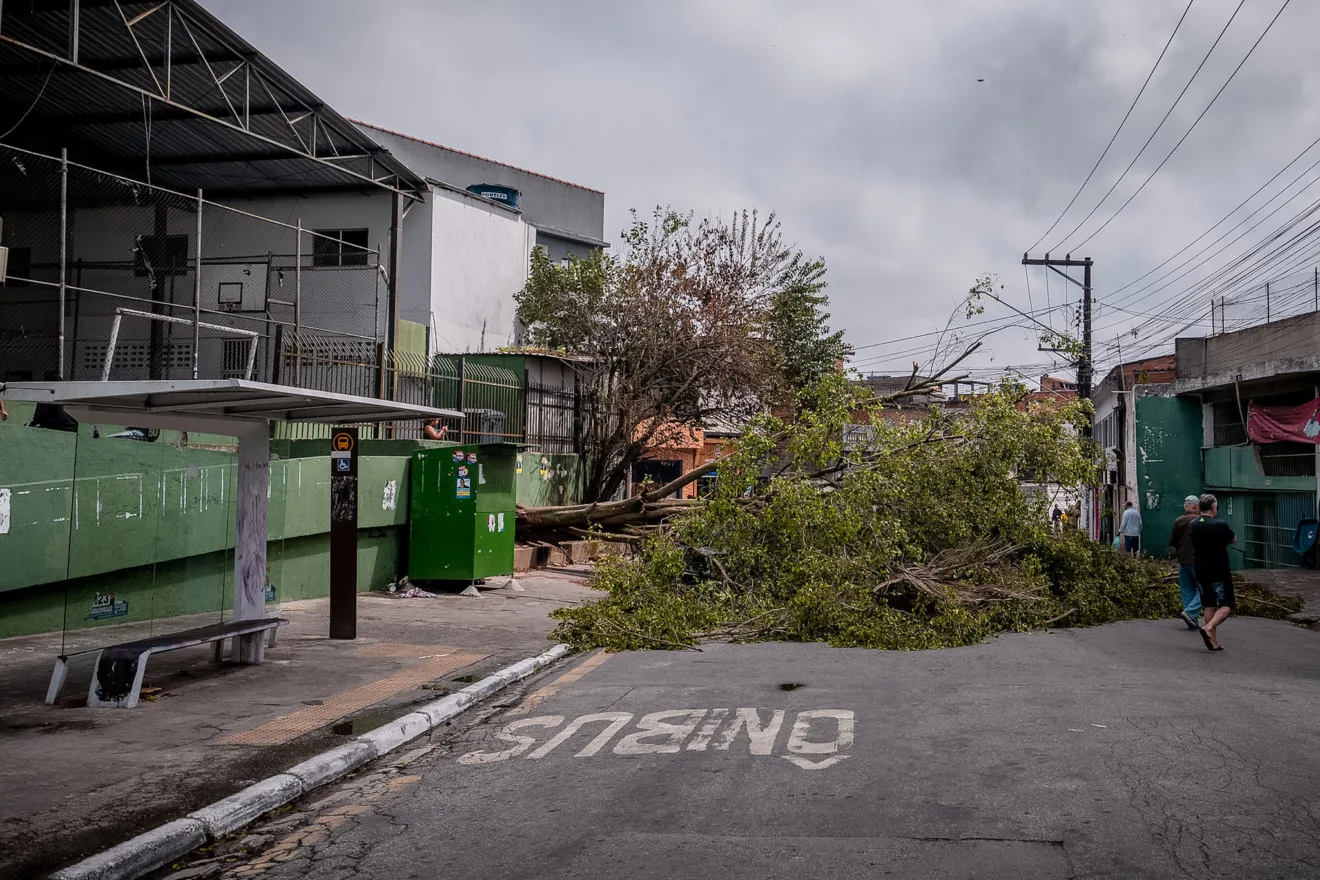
point(865, 125)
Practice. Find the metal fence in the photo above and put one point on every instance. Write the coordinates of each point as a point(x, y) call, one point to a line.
point(106, 270)
point(491, 398)
point(89, 250)
point(553, 418)
point(1270, 522)
point(1287, 460)
point(1297, 293)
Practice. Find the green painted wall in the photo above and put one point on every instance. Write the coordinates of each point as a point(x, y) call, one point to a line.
point(80, 506)
point(1168, 439)
point(153, 522)
point(548, 479)
point(515, 362)
point(299, 569)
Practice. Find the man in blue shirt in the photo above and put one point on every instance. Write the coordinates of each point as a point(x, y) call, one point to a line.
point(1130, 528)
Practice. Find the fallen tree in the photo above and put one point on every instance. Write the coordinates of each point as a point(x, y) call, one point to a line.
point(922, 538)
point(630, 519)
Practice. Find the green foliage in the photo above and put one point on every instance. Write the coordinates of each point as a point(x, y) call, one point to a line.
point(698, 321)
point(922, 539)
point(805, 349)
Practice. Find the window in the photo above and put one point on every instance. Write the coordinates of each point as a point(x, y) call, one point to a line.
point(1228, 427)
point(340, 247)
point(158, 256)
point(234, 358)
point(20, 267)
point(1106, 431)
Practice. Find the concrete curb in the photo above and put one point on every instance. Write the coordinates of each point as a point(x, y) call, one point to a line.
point(173, 840)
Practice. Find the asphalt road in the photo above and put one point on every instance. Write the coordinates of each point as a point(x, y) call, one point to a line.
point(1125, 751)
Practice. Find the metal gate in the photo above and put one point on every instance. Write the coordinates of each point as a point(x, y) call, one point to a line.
point(1269, 522)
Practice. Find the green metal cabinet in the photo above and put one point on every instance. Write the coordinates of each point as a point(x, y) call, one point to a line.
point(461, 523)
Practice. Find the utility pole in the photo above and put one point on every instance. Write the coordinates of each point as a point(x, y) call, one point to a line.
point(1084, 365)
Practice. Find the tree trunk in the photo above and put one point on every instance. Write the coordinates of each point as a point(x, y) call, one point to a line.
point(651, 507)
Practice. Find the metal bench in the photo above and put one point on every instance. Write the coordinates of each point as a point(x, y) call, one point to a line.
point(117, 677)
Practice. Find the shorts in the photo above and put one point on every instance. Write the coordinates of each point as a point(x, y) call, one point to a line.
point(1218, 594)
point(1132, 543)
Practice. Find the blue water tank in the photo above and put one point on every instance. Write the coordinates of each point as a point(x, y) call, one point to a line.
point(506, 194)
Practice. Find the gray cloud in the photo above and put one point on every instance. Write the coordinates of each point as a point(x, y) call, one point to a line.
point(861, 123)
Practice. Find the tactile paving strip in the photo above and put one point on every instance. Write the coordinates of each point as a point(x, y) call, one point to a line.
point(391, 649)
point(291, 726)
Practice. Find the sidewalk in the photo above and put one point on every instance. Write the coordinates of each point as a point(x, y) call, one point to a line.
point(78, 780)
point(1304, 583)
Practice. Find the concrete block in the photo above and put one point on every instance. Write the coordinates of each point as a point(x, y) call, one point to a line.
point(141, 854)
point(523, 558)
point(581, 551)
point(615, 548)
point(390, 736)
point(242, 807)
point(331, 765)
point(558, 557)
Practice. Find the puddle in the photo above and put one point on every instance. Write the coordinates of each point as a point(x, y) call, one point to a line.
point(790, 686)
point(363, 723)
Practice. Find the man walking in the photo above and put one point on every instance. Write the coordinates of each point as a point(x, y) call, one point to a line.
point(1130, 528)
point(1210, 540)
point(1180, 546)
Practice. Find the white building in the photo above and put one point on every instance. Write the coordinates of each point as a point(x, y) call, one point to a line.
point(175, 181)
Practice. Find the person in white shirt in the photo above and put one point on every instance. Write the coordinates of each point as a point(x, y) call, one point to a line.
point(1130, 528)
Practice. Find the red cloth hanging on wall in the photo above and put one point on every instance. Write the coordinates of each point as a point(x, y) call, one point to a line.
point(1275, 424)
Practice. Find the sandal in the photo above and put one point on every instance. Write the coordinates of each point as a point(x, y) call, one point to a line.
point(1205, 637)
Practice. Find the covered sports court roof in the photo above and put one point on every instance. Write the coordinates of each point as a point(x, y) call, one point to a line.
point(165, 92)
point(236, 401)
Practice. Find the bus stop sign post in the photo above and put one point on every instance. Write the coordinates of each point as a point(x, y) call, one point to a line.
point(343, 532)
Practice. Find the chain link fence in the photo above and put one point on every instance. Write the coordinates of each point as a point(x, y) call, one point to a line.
point(1288, 296)
point(113, 278)
point(186, 281)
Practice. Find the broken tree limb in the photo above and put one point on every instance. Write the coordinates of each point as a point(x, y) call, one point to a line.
point(650, 507)
point(604, 536)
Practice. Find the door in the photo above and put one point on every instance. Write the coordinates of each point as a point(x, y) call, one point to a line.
point(658, 472)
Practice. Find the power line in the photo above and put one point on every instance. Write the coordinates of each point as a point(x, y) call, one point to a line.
point(1230, 214)
point(1105, 152)
point(899, 339)
point(1243, 259)
point(1140, 152)
point(1258, 257)
point(1195, 123)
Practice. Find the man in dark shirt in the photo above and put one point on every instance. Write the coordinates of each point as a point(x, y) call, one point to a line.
point(1210, 540)
point(1180, 546)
